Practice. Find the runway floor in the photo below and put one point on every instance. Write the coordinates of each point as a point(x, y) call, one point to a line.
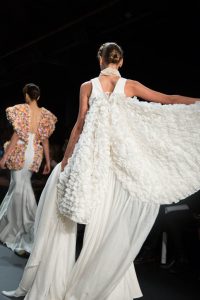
point(156, 283)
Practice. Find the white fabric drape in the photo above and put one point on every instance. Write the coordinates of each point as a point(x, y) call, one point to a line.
point(104, 269)
point(18, 208)
point(53, 254)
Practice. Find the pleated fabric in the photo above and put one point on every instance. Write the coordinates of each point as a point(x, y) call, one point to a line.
point(18, 208)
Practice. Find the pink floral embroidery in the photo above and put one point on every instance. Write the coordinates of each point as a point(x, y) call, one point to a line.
point(19, 117)
point(16, 159)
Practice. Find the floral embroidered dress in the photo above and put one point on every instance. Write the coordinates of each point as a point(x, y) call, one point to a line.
point(18, 208)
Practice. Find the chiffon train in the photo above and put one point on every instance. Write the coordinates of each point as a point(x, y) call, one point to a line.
point(104, 269)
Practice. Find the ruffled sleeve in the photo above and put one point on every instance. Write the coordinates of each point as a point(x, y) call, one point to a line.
point(18, 116)
point(47, 124)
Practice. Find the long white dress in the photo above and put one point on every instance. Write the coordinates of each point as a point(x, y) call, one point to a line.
point(130, 158)
point(18, 208)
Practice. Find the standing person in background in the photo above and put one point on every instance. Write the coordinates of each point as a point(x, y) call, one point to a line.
point(23, 155)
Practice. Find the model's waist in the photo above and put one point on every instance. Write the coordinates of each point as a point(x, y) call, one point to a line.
point(31, 136)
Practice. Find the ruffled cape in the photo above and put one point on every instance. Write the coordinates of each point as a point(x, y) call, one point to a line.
point(153, 149)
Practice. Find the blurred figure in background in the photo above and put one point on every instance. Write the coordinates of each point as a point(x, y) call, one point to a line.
point(23, 155)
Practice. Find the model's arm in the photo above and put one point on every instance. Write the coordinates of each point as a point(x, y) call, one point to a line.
point(135, 88)
point(85, 92)
point(9, 149)
point(47, 167)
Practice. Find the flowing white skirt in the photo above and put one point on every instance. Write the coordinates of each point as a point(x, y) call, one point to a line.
point(18, 208)
point(104, 269)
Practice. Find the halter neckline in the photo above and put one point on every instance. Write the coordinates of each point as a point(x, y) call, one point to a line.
point(110, 71)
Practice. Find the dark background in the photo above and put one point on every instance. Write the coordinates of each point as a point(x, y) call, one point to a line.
point(54, 43)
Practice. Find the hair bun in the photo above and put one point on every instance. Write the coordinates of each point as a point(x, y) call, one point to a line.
point(111, 53)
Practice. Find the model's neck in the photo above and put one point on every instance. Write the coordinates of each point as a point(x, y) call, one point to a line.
point(33, 104)
point(112, 66)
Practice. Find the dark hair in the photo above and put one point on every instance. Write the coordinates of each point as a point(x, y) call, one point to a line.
point(32, 90)
point(112, 53)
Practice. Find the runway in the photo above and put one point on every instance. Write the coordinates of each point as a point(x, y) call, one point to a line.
point(156, 283)
point(11, 267)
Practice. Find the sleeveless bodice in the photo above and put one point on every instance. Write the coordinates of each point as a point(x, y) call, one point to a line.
point(97, 90)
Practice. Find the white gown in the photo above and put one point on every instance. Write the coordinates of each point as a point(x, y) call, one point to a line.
point(18, 208)
point(131, 157)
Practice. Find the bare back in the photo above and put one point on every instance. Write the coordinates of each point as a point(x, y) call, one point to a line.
point(108, 83)
point(35, 117)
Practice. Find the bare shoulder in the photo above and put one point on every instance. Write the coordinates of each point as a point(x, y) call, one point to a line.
point(87, 85)
point(132, 83)
point(130, 87)
point(86, 88)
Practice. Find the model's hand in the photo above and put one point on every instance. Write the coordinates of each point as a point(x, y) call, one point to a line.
point(47, 169)
point(3, 163)
point(63, 164)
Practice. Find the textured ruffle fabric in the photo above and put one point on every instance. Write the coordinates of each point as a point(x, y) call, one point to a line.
point(152, 148)
point(81, 185)
point(19, 116)
point(155, 150)
point(46, 125)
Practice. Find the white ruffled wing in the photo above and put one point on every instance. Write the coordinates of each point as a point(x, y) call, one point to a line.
point(156, 149)
point(153, 149)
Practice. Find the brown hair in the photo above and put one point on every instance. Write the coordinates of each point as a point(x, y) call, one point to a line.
point(112, 53)
point(32, 90)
